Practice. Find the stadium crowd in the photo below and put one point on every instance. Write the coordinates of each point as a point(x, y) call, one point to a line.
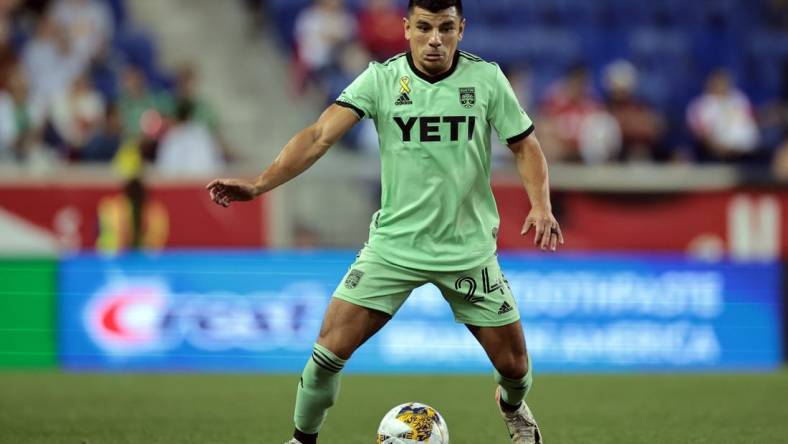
point(593, 107)
point(80, 83)
point(606, 81)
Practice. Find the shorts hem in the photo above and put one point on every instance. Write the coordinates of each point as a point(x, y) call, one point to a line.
point(495, 323)
point(364, 304)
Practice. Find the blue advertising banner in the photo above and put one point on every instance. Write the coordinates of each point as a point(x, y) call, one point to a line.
point(251, 311)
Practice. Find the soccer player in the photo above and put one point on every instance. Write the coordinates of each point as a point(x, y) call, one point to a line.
point(434, 108)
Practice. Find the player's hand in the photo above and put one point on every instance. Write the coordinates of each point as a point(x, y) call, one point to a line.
point(226, 191)
point(548, 232)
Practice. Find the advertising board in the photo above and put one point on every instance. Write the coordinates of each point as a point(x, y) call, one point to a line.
point(262, 312)
point(27, 313)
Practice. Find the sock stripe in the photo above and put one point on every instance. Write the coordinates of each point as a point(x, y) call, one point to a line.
point(322, 362)
point(326, 358)
point(330, 357)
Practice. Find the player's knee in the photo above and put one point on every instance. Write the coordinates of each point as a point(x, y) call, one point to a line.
point(513, 365)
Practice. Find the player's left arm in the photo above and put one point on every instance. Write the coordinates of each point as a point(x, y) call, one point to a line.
point(532, 167)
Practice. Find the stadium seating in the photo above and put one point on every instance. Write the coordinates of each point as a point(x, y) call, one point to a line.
point(675, 43)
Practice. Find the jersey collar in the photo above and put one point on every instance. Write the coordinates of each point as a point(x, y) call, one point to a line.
point(434, 79)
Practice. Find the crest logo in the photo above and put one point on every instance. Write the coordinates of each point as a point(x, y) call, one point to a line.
point(353, 278)
point(468, 97)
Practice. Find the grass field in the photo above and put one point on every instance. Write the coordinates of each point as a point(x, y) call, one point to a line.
point(239, 409)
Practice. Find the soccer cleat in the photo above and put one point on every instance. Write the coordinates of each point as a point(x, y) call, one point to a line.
point(521, 423)
point(293, 441)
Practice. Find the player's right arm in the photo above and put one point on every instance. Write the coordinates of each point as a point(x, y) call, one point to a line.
point(300, 153)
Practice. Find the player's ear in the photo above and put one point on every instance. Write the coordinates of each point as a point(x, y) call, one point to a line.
point(462, 29)
point(406, 27)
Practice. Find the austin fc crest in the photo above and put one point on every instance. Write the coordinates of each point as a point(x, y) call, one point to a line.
point(468, 97)
point(352, 278)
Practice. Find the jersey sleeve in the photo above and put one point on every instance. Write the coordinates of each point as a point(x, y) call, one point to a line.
point(506, 115)
point(360, 96)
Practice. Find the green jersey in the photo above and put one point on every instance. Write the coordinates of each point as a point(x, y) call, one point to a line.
point(437, 207)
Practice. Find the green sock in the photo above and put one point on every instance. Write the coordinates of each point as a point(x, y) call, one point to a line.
point(513, 391)
point(317, 390)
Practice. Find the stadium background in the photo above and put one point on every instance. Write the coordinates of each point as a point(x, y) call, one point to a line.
point(665, 125)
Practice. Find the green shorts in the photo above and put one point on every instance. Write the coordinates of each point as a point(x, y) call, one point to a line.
point(480, 296)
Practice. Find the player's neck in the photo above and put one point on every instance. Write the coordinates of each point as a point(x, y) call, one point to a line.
point(419, 70)
point(426, 73)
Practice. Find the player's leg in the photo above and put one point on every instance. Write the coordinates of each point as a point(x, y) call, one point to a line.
point(369, 295)
point(345, 327)
point(482, 300)
point(505, 346)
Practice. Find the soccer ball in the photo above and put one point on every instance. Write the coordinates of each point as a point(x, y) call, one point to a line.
point(413, 423)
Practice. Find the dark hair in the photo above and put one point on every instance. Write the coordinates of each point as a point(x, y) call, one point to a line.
point(435, 5)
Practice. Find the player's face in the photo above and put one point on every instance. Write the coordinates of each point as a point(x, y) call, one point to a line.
point(433, 38)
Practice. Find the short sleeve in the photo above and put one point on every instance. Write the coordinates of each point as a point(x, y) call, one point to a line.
point(361, 94)
point(506, 115)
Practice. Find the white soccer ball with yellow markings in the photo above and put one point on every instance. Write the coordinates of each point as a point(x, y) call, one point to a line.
point(413, 423)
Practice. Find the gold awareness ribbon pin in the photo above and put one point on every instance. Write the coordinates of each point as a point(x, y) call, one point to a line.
point(405, 83)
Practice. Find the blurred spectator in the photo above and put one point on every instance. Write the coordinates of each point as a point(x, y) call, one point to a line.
point(67, 95)
point(521, 79)
point(319, 31)
point(131, 221)
point(50, 63)
point(775, 125)
point(773, 116)
point(641, 125)
point(143, 111)
point(722, 122)
point(575, 126)
point(87, 23)
point(18, 132)
point(566, 104)
point(599, 138)
point(104, 144)
point(352, 59)
point(187, 89)
point(188, 148)
point(104, 70)
point(77, 115)
point(380, 29)
point(128, 160)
